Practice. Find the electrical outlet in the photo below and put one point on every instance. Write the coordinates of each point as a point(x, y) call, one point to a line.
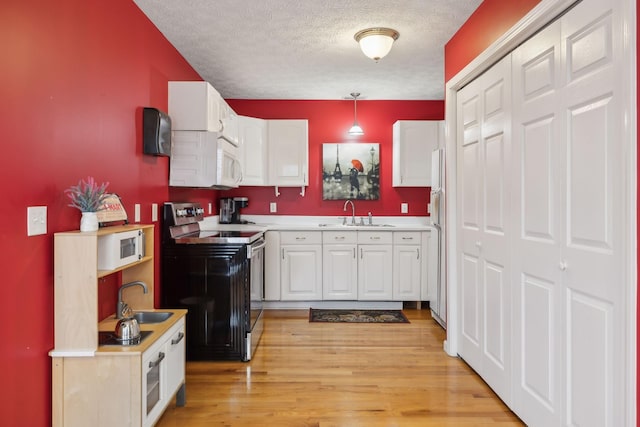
point(36, 220)
point(273, 207)
point(154, 212)
point(210, 208)
point(136, 213)
point(404, 208)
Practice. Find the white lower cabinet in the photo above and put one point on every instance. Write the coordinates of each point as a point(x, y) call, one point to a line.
point(375, 266)
point(351, 265)
point(301, 265)
point(407, 266)
point(163, 373)
point(339, 265)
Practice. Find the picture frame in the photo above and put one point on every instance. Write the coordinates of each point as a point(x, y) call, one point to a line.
point(351, 170)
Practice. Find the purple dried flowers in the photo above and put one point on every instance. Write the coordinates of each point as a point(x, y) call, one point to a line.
point(87, 196)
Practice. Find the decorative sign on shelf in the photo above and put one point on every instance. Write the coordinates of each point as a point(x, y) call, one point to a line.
point(351, 171)
point(112, 211)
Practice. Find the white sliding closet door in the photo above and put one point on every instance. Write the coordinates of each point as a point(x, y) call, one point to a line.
point(483, 196)
point(569, 216)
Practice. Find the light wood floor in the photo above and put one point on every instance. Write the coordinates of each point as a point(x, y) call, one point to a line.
point(319, 374)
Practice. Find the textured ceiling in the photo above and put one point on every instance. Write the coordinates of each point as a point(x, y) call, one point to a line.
point(304, 49)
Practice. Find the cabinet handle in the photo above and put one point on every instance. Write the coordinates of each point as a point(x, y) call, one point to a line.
point(282, 253)
point(157, 362)
point(177, 340)
point(301, 238)
point(374, 237)
point(407, 238)
point(418, 253)
point(361, 253)
point(339, 237)
point(354, 253)
point(562, 265)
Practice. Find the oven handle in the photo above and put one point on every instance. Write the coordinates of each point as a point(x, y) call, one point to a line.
point(256, 246)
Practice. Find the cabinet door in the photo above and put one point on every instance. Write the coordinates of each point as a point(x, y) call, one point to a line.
point(406, 272)
point(154, 377)
point(288, 152)
point(175, 357)
point(301, 272)
point(253, 150)
point(413, 143)
point(339, 272)
point(374, 272)
point(194, 106)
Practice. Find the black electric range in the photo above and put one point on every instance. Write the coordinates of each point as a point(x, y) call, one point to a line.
point(218, 276)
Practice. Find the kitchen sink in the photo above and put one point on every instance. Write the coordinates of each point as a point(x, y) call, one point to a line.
point(151, 316)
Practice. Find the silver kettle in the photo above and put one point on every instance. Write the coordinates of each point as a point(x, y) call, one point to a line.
point(127, 328)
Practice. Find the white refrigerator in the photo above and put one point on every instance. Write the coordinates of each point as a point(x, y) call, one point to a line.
point(438, 304)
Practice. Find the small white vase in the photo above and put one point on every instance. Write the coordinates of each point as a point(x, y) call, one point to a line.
point(89, 221)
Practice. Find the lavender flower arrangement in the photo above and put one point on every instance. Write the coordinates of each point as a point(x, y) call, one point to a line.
point(87, 196)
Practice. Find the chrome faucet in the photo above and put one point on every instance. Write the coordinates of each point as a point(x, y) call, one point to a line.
point(353, 211)
point(121, 306)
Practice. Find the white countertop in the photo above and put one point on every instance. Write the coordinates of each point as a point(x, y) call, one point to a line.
point(318, 223)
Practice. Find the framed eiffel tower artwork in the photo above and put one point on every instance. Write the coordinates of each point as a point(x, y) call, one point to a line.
point(351, 171)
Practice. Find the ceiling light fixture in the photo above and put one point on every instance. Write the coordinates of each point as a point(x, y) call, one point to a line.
point(376, 42)
point(355, 129)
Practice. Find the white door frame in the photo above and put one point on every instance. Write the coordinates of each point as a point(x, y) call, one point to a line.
point(538, 17)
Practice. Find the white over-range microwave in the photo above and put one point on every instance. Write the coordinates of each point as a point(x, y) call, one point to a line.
point(203, 159)
point(119, 249)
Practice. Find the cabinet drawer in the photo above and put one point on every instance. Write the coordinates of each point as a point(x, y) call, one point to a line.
point(375, 237)
point(300, 237)
point(406, 237)
point(340, 237)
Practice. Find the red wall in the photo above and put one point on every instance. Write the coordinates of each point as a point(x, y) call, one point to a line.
point(329, 122)
point(484, 26)
point(490, 21)
point(75, 75)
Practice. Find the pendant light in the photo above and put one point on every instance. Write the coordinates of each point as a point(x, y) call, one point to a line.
point(376, 42)
point(355, 129)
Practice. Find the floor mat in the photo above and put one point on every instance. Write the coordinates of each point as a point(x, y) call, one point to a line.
point(357, 316)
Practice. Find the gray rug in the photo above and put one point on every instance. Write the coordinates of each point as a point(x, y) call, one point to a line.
point(357, 316)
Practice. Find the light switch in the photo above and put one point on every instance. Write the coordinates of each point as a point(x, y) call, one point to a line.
point(36, 220)
point(136, 213)
point(210, 208)
point(404, 208)
point(154, 212)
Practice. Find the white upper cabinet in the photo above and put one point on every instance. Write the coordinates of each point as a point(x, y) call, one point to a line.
point(198, 106)
point(253, 150)
point(194, 106)
point(288, 152)
point(413, 143)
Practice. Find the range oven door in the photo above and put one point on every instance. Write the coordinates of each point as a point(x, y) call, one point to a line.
point(256, 282)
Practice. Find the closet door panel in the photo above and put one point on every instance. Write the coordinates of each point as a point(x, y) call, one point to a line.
point(593, 259)
point(483, 153)
point(494, 240)
point(537, 213)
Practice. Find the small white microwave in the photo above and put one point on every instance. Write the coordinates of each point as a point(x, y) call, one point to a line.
point(119, 249)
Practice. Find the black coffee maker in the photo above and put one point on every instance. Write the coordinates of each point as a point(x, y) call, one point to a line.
point(230, 210)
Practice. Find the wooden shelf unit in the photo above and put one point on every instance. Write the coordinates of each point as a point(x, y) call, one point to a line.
point(76, 277)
